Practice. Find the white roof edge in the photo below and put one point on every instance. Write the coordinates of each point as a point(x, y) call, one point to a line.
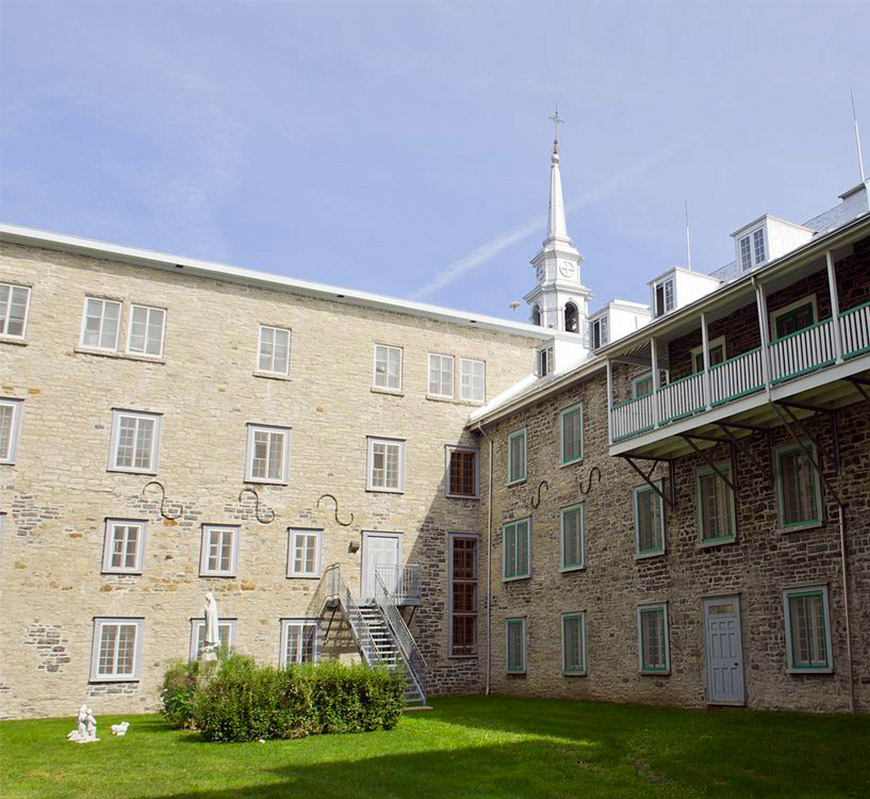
point(770, 216)
point(694, 272)
point(629, 305)
point(17, 234)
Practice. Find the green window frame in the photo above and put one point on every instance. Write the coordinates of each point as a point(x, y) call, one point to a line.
point(715, 503)
point(516, 645)
point(798, 489)
point(717, 355)
point(517, 549)
point(649, 522)
point(808, 630)
point(572, 537)
point(653, 639)
point(642, 386)
point(572, 434)
point(517, 468)
point(574, 644)
point(790, 322)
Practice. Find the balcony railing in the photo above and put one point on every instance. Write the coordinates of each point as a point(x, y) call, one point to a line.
point(791, 356)
point(405, 583)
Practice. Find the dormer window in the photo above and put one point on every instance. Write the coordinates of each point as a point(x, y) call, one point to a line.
point(753, 251)
point(600, 332)
point(544, 365)
point(663, 291)
point(572, 318)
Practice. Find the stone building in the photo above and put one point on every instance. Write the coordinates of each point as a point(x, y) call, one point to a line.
point(605, 506)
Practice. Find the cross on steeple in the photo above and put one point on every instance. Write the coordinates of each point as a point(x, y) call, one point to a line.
point(557, 120)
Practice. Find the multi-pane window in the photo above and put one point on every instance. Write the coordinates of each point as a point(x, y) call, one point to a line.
point(544, 361)
point(268, 454)
point(386, 470)
point(663, 292)
point(649, 522)
point(274, 351)
point(794, 318)
point(573, 555)
point(574, 643)
point(517, 549)
point(715, 505)
point(145, 336)
point(642, 386)
point(472, 380)
point(10, 411)
point(388, 367)
point(600, 332)
point(515, 640)
point(219, 552)
point(797, 487)
point(101, 325)
point(463, 595)
point(299, 641)
point(461, 472)
point(303, 554)
point(517, 457)
point(572, 434)
point(759, 251)
point(653, 647)
point(753, 250)
point(716, 353)
point(441, 376)
point(135, 440)
point(115, 653)
point(745, 253)
point(226, 633)
point(13, 310)
point(808, 629)
point(124, 546)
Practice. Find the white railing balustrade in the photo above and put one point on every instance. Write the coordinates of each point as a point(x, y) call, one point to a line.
point(632, 417)
point(802, 352)
point(681, 398)
point(855, 329)
point(736, 377)
point(405, 583)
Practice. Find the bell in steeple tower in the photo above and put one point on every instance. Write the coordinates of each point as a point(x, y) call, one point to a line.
point(559, 300)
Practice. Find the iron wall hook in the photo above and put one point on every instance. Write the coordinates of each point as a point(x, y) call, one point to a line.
point(337, 520)
point(257, 506)
point(537, 501)
point(593, 471)
point(163, 513)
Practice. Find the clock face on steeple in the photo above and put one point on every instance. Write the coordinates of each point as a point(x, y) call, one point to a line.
point(566, 268)
point(540, 272)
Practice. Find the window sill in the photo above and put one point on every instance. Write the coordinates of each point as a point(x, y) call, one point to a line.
point(569, 569)
point(518, 577)
point(517, 482)
point(440, 398)
point(100, 680)
point(820, 670)
point(220, 576)
point(475, 497)
point(475, 656)
point(393, 392)
point(654, 673)
point(716, 542)
point(272, 376)
point(124, 356)
point(20, 342)
point(571, 463)
point(117, 573)
point(256, 482)
point(797, 528)
point(303, 577)
point(647, 555)
point(371, 490)
point(117, 470)
point(574, 673)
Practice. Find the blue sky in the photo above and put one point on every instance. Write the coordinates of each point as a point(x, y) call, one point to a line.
point(377, 146)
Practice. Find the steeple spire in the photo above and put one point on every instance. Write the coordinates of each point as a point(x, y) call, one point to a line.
point(557, 229)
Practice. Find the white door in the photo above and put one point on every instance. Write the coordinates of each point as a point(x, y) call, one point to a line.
point(724, 651)
point(379, 549)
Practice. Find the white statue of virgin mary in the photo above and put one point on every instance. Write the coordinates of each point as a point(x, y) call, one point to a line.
point(212, 640)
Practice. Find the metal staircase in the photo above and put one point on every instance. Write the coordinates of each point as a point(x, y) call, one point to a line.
point(379, 629)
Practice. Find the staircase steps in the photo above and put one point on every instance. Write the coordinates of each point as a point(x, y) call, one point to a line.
point(387, 650)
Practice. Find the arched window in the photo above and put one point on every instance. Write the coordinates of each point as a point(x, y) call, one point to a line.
point(572, 318)
point(536, 315)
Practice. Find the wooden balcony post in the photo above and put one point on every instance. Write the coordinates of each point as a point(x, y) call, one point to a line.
point(761, 304)
point(655, 377)
point(705, 344)
point(835, 307)
point(609, 401)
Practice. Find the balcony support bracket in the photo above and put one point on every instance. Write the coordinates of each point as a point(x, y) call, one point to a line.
point(668, 500)
point(711, 462)
point(861, 386)
point(834, 456)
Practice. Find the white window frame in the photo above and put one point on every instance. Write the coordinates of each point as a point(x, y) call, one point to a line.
point(198, 624)
point(790, 527)
point(441, 394)
point(4, 330)
point(272, 372)
point(654, 606)
point(449, 450)
point(504, 556)
point(386, 388)
point(148, 309)
point(104, 301)
point(525, 475)
point(750, 237)
point(205, 545)
point(545, 361)
point(581, 614)
point(791, 668)
point(99, 623)
point(109, 545)
point(563, 567)
point(663, 524)
point(286, 624)
point(666, 309)
point(525, 643)
point(284, 432)
point(117, 415)
point(370, 462)
point(471, 363)
point(17, 405)
point(292, 534)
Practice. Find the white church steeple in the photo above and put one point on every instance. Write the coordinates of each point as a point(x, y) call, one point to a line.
point(559, 300)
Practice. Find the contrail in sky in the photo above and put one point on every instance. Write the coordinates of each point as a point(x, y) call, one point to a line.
point(488, 250)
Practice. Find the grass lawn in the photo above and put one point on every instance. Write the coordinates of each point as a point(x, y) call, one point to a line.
point(467, 747)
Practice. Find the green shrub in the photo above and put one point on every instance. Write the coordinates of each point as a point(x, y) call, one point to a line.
point(177, 692)
point(240, 701)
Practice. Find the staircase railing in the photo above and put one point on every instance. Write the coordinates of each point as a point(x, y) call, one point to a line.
point(407, 646)
point(404, 582)
point(333, 586)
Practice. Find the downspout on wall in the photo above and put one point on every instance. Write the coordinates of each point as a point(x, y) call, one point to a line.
point(488, 680)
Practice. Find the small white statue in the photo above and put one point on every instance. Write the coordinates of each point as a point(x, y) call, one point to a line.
point(92, 726)
point(120, 729)
point(212, 635)
point(86, 727)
